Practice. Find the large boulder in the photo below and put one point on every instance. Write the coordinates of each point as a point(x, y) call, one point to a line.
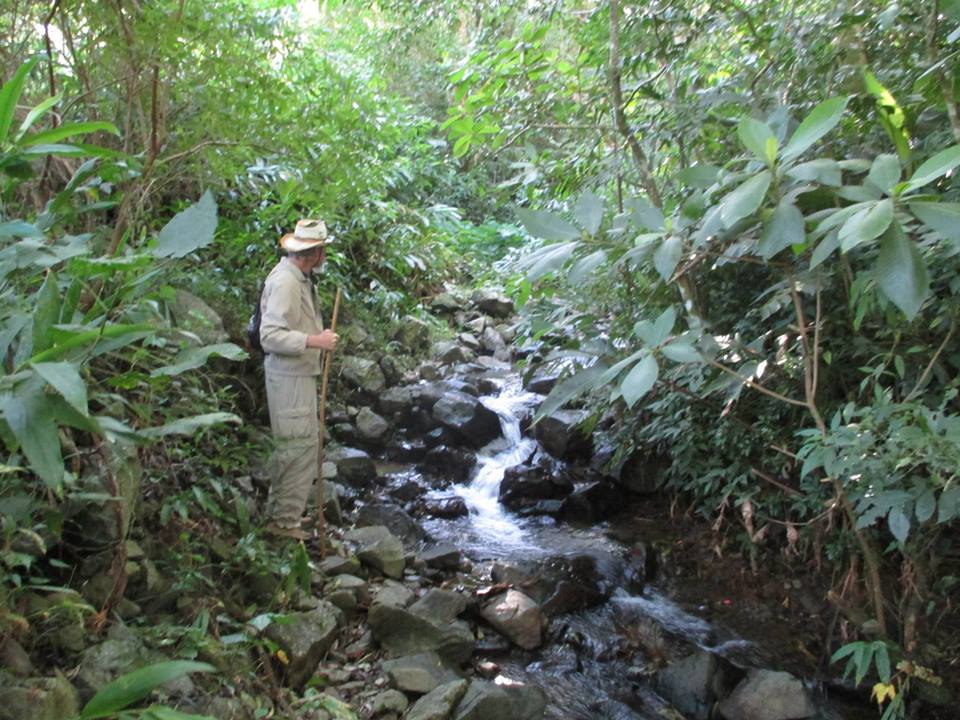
point(420, 673)
point(768, 695)
point(560, 435)
point(515, 615)
point(447, 506)
point(403, 632)
point(51, 698)
point(473, 422)
point(523, 485)
point(363, 374)
point(640, 472)
point(492, 302)
point(440, 702)
point(305, 638)
point(192, 314)
point(487, 701)
point(412, 333)
point(354, 467)
point(451, 353)
point(442, 605)
point(446, 303)
point(593, 502)
point(451, 465)
point(394, 518)
point(564, 583)
point(378, 548)
point(400, 399)
point(692, 684)
point(371, 428)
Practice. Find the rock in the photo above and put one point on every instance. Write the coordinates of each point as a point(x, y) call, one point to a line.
point(559, 435)
point(378, 548)
point(493, 303)
point(490, 386)
point(449, 506)
point(443, 557)
point(354, 466)
point(402, 632)
point(472, 421)
point(51, 698)
point(507, 332)
point(442, 605)
point(768, 695)
point(121, 475)
point(524, 484)
point(469, 341)
point(691, 684)
point(446, 303)
point(371, 428)
point(306, 637)
point(493, 343)
point(412, 333)
point(515, 615)
point(363, 374)
point(337, 565)
point(399, 399)
point(408, 451)
point(389, 701)
point(347, 588)
point(439, 703)
point(192, 314)
point(486, 701)
point(394, 594)
point(354, 336)
point(344, 433)
point(394, 518)
point(563, 583)
point(451, 353)
point(453, 465)
point(429, 371)
point(14, 658)
point(392, 373)
point(419, 673)
point(120, 652)
point(541, 384)
point(592, 503)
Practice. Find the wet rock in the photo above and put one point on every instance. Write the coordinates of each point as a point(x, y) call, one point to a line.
point(363, 374)
point(469, 341)
point(442, 605)
point(354, 466)
point(486, 701)
point(540, 383)
point(397, 400)
point(420, 673)
point(51, 698)
point(392, 373)
point(451, 353)
point(306, 637)
point(489, 386)
point(553, 508)
point(407, 491)
point(559, 435)
point(429, 371)
point(563, 583)
point(412, 333)
point(492, 342)
point(515, 615)
point(507, 332)
point(451, 464)
point(344, 433)
point(402, 632)
point(642, 473)
point(442, 557)
point(389, 701)
point(524, 484)
point(692, 684)
point(592, 503)
point(371, 428)
point(439, 703)
point(493, 303)
point(394, 518)
point(379, 549)
point(768, 695)
point(451, 506)
point(472, 421)
point(408, 451)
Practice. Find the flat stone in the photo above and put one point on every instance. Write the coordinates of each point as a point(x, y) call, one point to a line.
point(392, 701)
point(442, 605)
point(402, 632)
point(768, 695)
point(517, 616)
point(443, 557)
point(420, 673)
point(394, 594)
point(306, 637)
point(440, 702)
point(378, 548)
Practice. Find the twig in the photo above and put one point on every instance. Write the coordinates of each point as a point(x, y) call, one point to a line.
point(929, 368)
point(327, 358)
point(755, 386)
point(773, 481)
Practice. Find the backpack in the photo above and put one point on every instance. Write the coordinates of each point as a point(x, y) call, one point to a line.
point(253, 324)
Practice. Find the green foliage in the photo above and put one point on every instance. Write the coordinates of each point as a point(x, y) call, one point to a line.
point(115, 697)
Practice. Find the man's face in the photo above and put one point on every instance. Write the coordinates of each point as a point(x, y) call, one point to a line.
point(318, 257)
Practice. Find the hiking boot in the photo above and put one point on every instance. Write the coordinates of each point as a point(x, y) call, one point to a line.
point(294, 533)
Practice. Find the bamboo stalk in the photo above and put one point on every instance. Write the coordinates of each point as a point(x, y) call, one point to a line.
point(327, 356)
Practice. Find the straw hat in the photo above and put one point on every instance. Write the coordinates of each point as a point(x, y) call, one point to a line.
point(307, 235)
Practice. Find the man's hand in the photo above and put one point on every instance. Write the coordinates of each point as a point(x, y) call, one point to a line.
point(327, 340)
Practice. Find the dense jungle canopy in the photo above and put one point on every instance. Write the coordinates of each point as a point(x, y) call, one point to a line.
point(731, 230)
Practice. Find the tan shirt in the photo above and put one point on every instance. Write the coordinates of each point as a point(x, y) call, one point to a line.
point(289, 314)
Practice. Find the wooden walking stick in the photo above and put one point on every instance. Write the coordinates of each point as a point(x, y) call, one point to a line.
point(327, 357)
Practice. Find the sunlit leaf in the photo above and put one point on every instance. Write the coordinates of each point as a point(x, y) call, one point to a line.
point(189, 230)
point(821, 120)
point(667, 256)
point(745, 199)
point(133, 686)
point(644, 214)
point(589, 212)
point(584, 266)
point(65, 379)
point(755, 135)
point(569, 389)
point(884, 173)
point(547, 225)
point(189, 425)
point(681, 352)
point(784, 229)
point(10, 96)
point(942, 217)
point(866, 225)
point(66, 130)
point(194, 357)
point(937, 166)
point(639, 380)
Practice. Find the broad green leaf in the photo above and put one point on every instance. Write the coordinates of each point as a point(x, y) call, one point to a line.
point(755, 135)
point(570, 388)
point(194, 357)
point(32, 421)
point(65, 379)
point(925, 506)
point(901, 272)
point(547, 225)
point(46, 312)
point(948, 506)
point(899, 524)
point(667, 256)
point(940, 164)
point(133, 686)
point(825, 248)
point(699, 176)
point(884, 173)
point(663, 325)
point(189, 230)
point(19, 228)
point(745, 199)
point(584, 266)
point(589, 212)
point(639, 380)
point(882, 661)
point(645, 214)
point(942, 217)
point(61, 132)
point(825, 171)
point(867, 224)
point(681, 352)
point(818, 123)
point(35, 114)
point(784, 229)
point(548, 259)
point(162, 712)
point(189, 425)
point(10, 96)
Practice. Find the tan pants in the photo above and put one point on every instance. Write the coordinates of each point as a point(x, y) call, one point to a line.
point(292, 400)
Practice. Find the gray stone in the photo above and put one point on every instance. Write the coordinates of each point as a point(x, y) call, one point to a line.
point(485, 701)
point(492, 302)
point(338, 565)
point(412, 333)
point(363, 374)
point(354, 466)
point(120, 652)
point(516, 616)
point(559, 435)
point(768, 695)
point(442, 605)
point(472, 421)
point(492, 342)
point(443, 557)
point(371, 428)
point(419, 673)
point(393, 593)
point(592, 502)
point(691, 684)
point(446, 302)
point(429, 371)
point(392, 372)
point(450, 464)
point(451, 353)
point(396, 400)
point(394, 518)
point(541, 383)
point(402, 632)
point(51, 698)
point(448, 506)
point(439, 703)
point(469, 341)
point(306, 637)
point(14, 658)
point(389, 701)
point(378, 548)
point(192, 314)
point(522, 485)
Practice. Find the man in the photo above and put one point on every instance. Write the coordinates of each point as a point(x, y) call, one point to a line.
point(292, 335)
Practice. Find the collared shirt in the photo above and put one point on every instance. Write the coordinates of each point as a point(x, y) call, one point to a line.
point(289, 313)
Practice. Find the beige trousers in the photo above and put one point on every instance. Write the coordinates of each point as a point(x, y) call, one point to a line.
point(292, 400)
